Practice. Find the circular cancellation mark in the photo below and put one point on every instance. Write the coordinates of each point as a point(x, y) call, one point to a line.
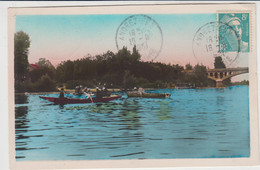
point(216, 39)
point(142, 31)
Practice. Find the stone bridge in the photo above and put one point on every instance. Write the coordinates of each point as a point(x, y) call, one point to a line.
point(219, 75)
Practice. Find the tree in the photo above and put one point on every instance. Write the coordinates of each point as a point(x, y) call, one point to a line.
point(21, 49)
point(201, 75)
point(135, 54)
point(45, 67)
point(44, 62)
point(129, 81)
point(65, 71)
point(219, 63)
point(188, 67)
point(46, 84)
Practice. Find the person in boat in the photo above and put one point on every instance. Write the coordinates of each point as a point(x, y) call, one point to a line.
point(61, 96)
point(78, 90)
point(106, 93)
point(88, 93)
point(141, 90)
point(86, 90)
point(99, 93)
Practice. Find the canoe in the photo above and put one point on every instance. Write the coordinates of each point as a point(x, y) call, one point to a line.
point(91, 90)
point(65, 100)
point(148, 95)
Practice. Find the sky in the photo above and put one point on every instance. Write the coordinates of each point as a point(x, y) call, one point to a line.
point(68, 37)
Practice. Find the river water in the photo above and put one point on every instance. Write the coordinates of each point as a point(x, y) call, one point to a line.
point(192, 123)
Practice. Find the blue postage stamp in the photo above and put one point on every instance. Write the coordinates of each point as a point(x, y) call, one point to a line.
point(233, 31)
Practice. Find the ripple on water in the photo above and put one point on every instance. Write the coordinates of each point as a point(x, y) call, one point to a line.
point(203, 123)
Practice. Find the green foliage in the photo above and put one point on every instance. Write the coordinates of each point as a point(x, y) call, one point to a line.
point(44, 63)
point(135, 54)
point(45, 67)
point(46, 84)
point(188, 67)
point(21, 48)
point(201, 75)
point(120, 70)
point(160, 84)
point(20, 87)
point(227, 82)
point(73, 83)
point(123, 69)
point(219, 63)
point(129, 80)
point(244, 82)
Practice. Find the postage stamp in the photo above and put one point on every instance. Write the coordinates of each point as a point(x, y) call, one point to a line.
point(227, 37)
point(233, 31)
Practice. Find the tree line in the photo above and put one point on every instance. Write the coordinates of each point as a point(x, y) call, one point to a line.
point(123, 69)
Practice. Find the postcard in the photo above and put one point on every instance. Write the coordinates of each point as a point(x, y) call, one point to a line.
point(133, 86)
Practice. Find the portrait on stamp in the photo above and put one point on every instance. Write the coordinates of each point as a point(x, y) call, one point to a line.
point(156, 85)
point(238, 39)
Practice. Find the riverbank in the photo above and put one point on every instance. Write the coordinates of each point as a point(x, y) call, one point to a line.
point(111, 90)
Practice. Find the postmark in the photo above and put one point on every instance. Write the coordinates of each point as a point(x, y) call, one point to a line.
point(206, 43)
point(228, 37)
point(143, 32)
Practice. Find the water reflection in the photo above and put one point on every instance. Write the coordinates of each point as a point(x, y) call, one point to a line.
point(204, 123)
point(104, 107)
point(61, 106)
point(164, 110)
point(21, 120)
point(129, 114)
point(21, 99)
point(220, 100)
point(21, 128)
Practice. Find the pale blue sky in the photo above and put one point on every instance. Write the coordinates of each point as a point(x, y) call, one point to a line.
point(63, 37)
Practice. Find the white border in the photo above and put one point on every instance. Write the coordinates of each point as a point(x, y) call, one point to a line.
point(3, 62)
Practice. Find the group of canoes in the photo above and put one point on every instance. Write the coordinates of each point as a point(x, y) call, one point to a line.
point(100, 95)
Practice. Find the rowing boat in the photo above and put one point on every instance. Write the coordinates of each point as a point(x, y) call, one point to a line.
point(66, 100)
point(148, 95)
point(91, 90)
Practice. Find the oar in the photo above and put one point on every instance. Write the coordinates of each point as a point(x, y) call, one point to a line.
point(89, 96)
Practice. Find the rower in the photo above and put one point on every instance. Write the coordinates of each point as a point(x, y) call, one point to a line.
point(141, 90)
point(76, 90)
point(61, 96)
point(88, 94)
point(80, 89)
point(98, 95)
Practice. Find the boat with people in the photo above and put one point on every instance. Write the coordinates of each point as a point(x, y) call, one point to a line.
point(101, 95)
point(141, 93)
point(148, 95)
point(93, 90)
point(65, 100)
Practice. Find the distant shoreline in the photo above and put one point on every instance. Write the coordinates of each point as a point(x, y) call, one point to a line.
point(43, 93)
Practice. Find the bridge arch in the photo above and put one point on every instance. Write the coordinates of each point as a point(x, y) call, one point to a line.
point(219, 75)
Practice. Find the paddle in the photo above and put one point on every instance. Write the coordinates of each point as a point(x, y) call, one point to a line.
point(89, 96)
